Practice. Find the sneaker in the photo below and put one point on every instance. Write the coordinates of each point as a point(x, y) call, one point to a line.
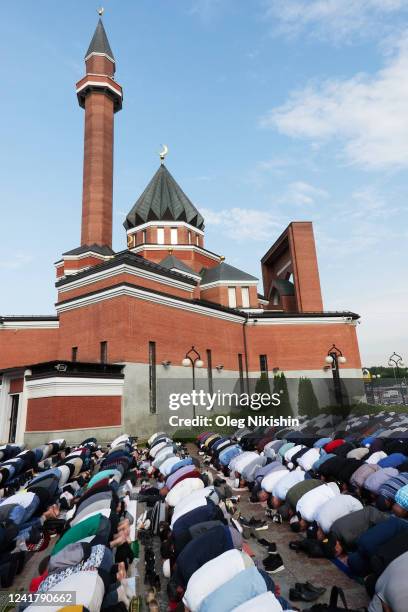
point(261, 526)
point(273, 563)
point(310, 587)
point(253, 523)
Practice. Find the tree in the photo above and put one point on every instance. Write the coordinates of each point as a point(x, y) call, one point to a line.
point(307, 400)
point(280, 386)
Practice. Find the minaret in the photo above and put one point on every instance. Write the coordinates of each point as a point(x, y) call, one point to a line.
point(101, 97)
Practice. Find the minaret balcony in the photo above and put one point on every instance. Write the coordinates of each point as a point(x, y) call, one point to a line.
point(102, 84)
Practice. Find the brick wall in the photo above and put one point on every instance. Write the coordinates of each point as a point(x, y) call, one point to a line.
point(59, 413)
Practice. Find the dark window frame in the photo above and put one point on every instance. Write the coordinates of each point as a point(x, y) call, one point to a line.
point(241, 372)
point(263, 364)
point(104, 351)
point(152, 378)
point(74, 354)
point(209, 371)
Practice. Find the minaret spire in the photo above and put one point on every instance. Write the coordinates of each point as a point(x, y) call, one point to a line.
point(101, 96)
point(100, 43)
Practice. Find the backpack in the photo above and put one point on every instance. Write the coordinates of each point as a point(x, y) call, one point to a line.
point(333, 605)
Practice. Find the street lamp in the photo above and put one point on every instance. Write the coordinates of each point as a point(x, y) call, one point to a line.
point(396, 362)
point(334, 358)
point(371, 382)
point(193, 359)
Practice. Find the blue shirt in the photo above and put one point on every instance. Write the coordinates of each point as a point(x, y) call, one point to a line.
point(393, 460)
point(229, 453)
point(243, 586)
point(181, 463)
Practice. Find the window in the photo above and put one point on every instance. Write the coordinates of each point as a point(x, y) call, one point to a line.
point(263, 364)
point(152, 377)
point(104, 352)
point(209, 371)
point(241, 373)
point(74, 353)
point(197, 240)
point(144, 237)
point(160, 235)
point(13, 417)
point(232, 297)
point(189, 237)
point(173, 235)
point(245, 297)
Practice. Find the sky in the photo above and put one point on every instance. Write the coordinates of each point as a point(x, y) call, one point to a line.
point(273, 111)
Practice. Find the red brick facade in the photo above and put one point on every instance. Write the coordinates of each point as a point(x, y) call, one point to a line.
point(61, 413)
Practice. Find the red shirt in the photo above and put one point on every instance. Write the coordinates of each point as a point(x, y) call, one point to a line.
point(35, 583)
point(333, 444)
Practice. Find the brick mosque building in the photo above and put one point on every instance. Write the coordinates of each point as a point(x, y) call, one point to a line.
point(124, 321)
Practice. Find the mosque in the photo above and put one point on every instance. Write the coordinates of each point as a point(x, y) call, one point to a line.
point(125, 321)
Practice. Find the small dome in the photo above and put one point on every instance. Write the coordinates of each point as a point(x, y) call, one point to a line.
point(163, 200)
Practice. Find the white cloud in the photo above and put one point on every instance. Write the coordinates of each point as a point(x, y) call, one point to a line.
point(302, 193)
point(365, 114)
point(243, 223)
point(18, 261)
point(333, 20)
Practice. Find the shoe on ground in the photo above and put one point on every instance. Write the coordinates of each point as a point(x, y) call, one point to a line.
point(310, 587)
point(273, 563)
point(262, 525)
point(302, 594)
point(256, 524)
point(271, 546)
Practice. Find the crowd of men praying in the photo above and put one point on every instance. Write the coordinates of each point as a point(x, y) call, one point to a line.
point(79, 510)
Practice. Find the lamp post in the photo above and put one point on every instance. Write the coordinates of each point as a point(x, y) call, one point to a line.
point(371, 379)
point(334, 358)
point(193, 359)
point(396, 362)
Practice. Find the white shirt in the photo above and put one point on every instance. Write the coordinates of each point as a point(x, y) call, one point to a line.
point(292, 451)
point(195, 499)
point(310, 503)
point(234, 460)
point(335, 508)
point(282, 486)
point(243, 460)
point(165, 467)
point(307, 460)
point(376, 457)
point(270, 480)
point(156, 449)
point(164, 454)
point(20, 499)
point(212, 575)
point(183, 489)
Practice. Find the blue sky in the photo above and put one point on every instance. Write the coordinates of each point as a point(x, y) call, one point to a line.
point(273, 111)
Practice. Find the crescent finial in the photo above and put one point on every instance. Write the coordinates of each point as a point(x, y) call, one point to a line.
point(163, 153)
